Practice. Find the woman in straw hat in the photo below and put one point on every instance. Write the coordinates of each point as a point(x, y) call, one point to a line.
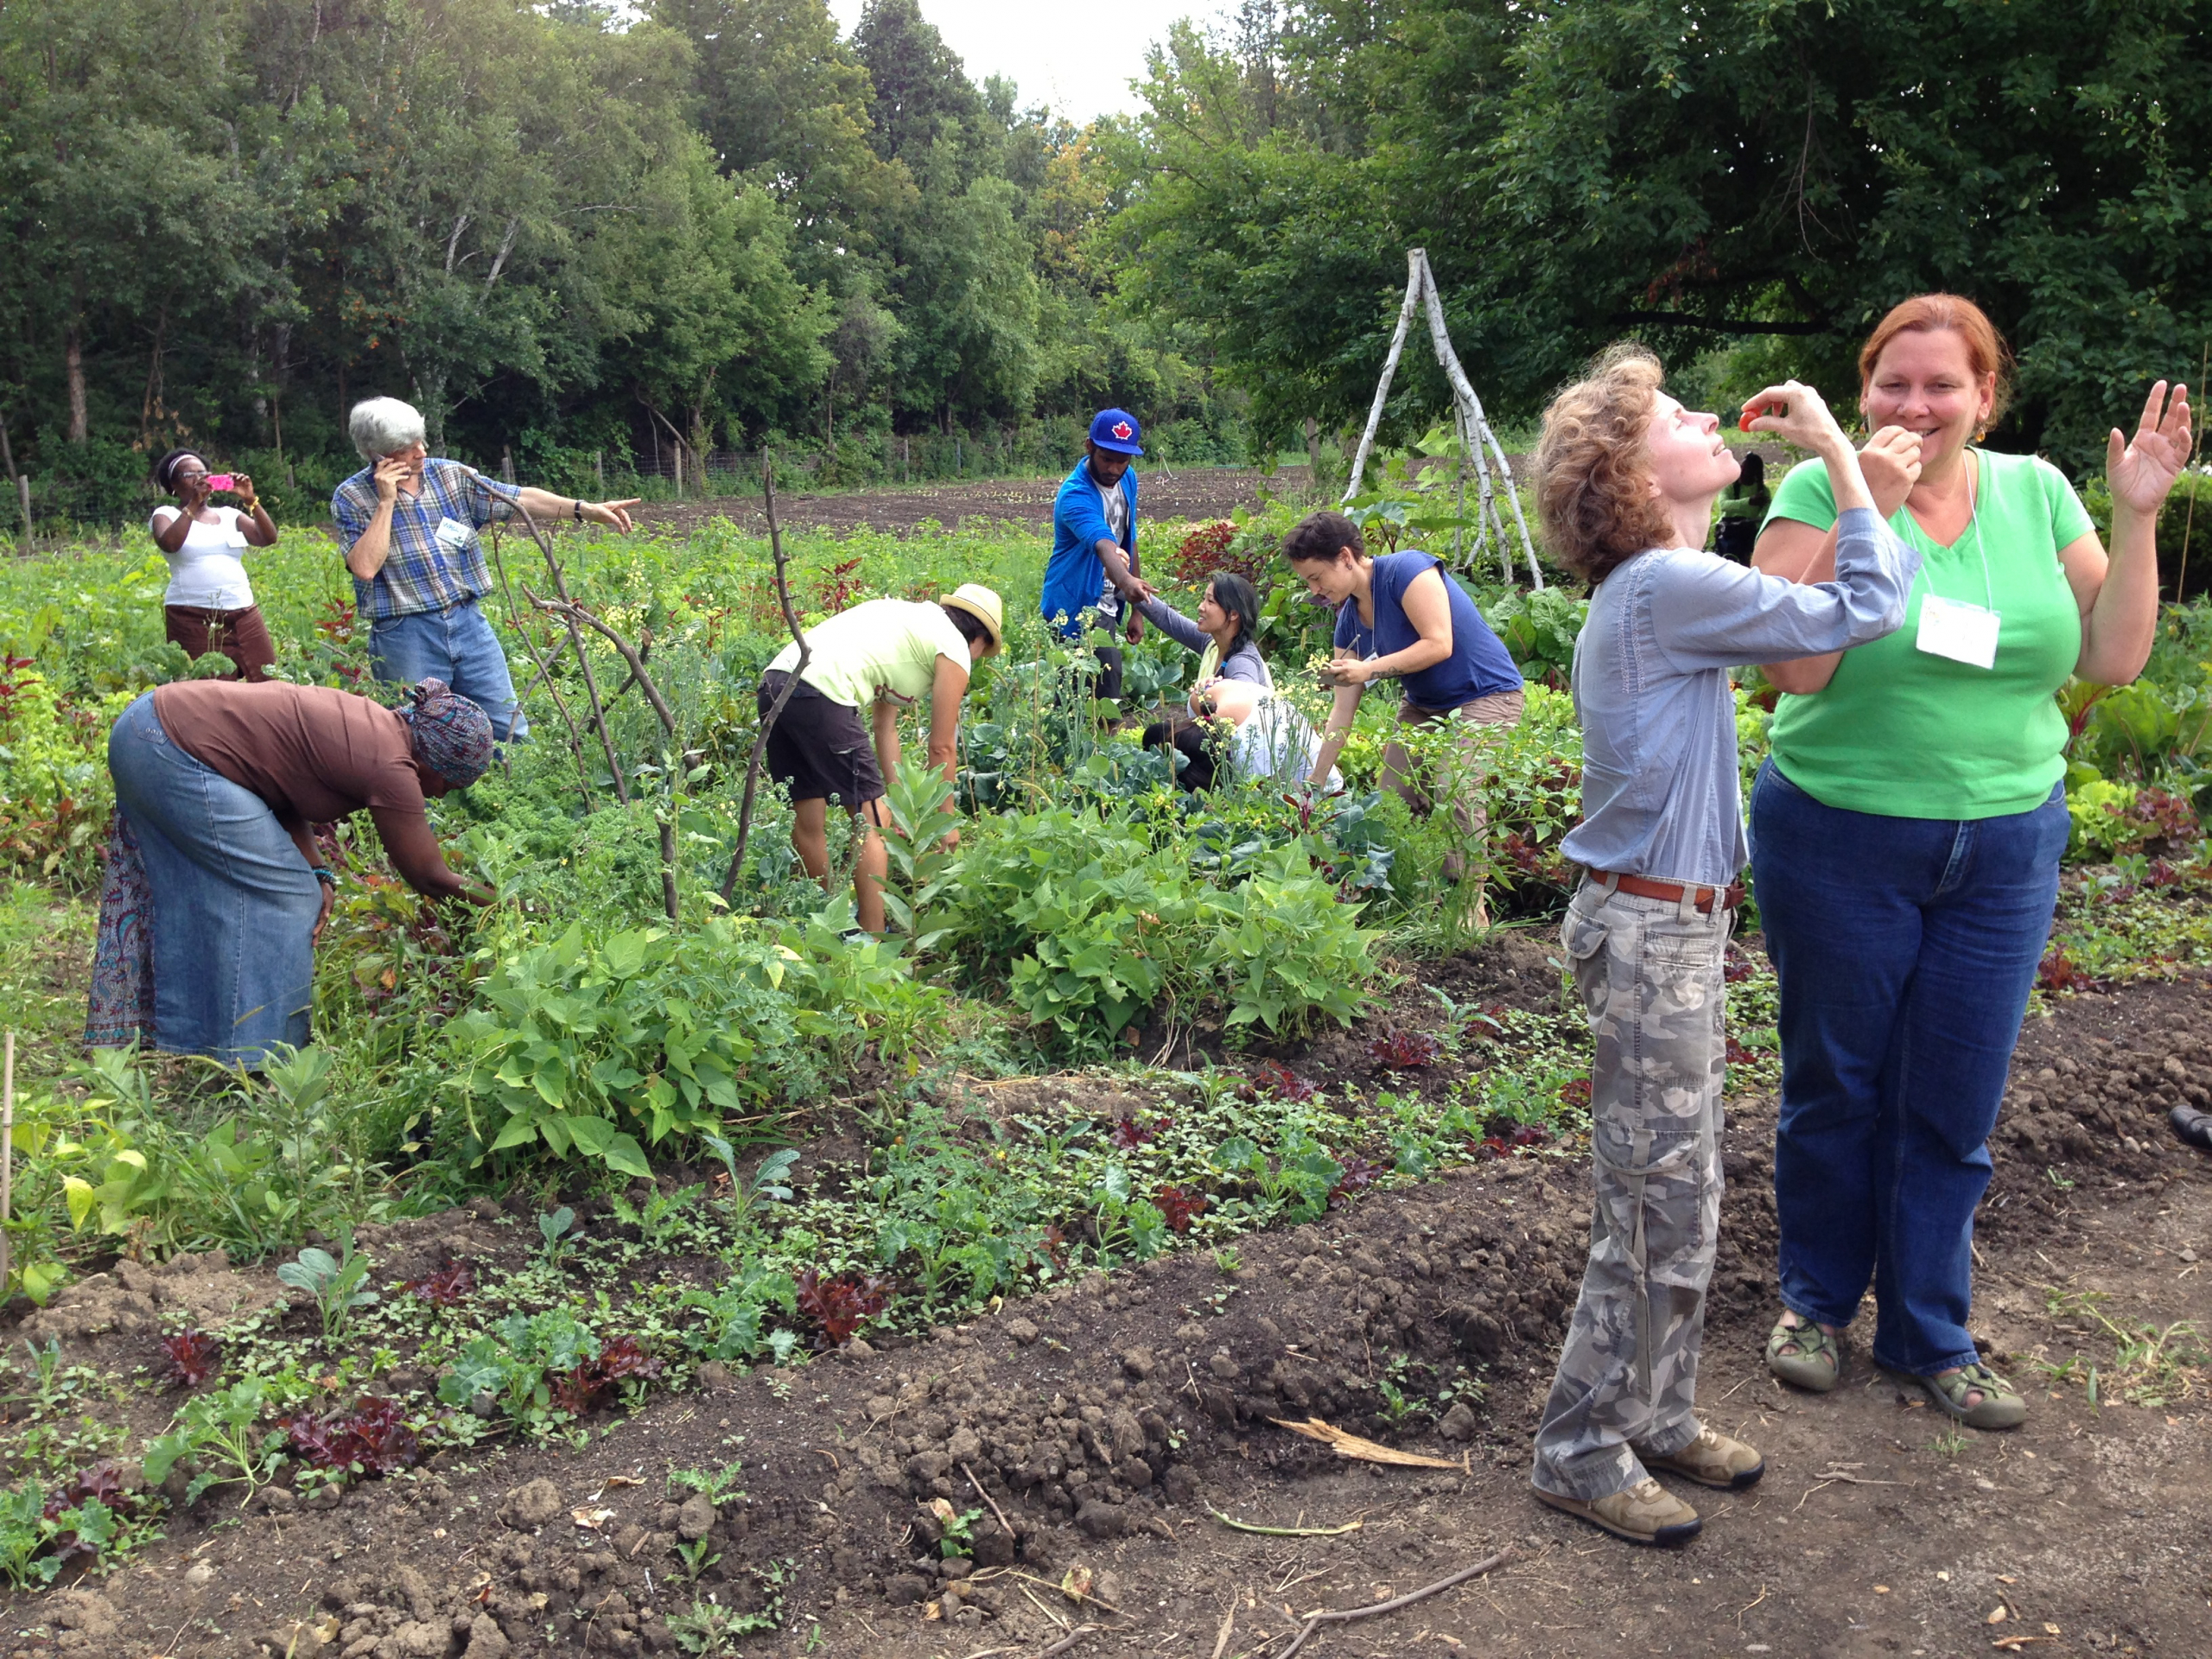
point(880, 656)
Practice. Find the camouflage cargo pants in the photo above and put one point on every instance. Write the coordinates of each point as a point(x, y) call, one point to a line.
point(1649, 972)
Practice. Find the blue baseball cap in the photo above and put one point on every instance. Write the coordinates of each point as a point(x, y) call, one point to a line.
point(1116, 429)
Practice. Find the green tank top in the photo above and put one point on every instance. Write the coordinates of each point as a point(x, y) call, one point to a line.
point(1904, 734)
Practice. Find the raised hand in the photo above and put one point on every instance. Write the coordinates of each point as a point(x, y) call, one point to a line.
point(1794, 411)
point(2142, 472)
point(1891, 461)
point(389, 472)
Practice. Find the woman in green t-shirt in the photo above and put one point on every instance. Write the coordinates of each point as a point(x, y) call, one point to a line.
point(1906, 832)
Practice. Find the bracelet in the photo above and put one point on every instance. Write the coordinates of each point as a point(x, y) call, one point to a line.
point(580, 509)
point(321, 873)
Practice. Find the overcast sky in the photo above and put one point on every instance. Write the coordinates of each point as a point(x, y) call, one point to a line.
point(1079, 61)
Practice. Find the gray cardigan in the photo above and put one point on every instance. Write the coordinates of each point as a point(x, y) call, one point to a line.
point(1242, 663)
point(1660, 794)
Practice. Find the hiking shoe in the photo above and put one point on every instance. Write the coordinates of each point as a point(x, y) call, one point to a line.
point(1645, 1514)
point(1999, 1407)
point(2192, 1126)
point(1712, 1459)
point(1803, 1356)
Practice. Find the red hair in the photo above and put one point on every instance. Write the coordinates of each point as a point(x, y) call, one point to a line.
point(1987, 352)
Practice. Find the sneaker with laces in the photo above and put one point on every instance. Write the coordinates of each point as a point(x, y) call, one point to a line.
point(1712, 1459)
point(1646, 1513)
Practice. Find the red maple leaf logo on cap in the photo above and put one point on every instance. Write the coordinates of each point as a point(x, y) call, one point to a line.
point(1121, 430)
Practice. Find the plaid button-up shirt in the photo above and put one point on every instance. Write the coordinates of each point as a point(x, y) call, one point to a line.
point(420, 573)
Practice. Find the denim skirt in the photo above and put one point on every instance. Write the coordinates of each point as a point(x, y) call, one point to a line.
point(232, 903)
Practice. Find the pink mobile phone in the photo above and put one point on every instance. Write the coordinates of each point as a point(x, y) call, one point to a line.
point(220, 482)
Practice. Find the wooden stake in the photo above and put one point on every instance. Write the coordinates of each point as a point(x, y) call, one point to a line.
point(7, 1157)
point(768, 720)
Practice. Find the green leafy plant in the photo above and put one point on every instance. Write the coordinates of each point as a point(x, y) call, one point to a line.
point(219, 1432)
point(337, 1286)
point(922, 814)
point(735, 1313)
point(554, 1228)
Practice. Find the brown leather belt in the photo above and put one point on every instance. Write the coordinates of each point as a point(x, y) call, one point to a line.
point(1731, 897)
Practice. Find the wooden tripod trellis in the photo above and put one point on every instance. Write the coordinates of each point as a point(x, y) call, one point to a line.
point(1474, 427)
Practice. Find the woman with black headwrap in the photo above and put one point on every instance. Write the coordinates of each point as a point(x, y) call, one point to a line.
point(215, 891)
point(209, 604)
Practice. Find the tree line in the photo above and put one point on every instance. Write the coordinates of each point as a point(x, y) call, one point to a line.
point(558, 229)
point(1746, 185)
point(568, 228)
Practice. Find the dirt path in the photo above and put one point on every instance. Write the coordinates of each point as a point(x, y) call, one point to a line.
point(1188, 492)
point(1101, 1420)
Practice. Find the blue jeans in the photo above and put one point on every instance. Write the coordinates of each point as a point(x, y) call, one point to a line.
point(235, 903)
point(1906, 949)
point(456, 645)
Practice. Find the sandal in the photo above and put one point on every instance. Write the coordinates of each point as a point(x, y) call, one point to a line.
point(2001, 1406)
point(1803, 1356)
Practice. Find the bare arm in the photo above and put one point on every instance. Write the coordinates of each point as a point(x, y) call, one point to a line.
point(944, 718)
point(298, 829)
point(259, 529)
point(1341, 715)
point(414, 853)
point(1428, 608)
point(543, 505)
point(2118, 595)
point(885, 719)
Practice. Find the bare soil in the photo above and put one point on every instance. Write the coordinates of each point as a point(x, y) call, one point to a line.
point(1194, 493)
point(1101, 1426)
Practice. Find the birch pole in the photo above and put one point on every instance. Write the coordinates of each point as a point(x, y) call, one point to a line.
point(1441, 337)
point(1416, 262)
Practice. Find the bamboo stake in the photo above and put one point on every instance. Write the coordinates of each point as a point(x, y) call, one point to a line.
point(2187, 524)
point(7, 1159)
point(790, 685)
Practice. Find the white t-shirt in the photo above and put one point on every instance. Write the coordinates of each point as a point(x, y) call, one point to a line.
point(206, 570)
point(884, 644)
point(1116, 507)
point(1277, 741)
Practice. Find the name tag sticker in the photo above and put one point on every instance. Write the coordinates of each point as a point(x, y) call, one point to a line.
point(453, 535)
point(1965, 633)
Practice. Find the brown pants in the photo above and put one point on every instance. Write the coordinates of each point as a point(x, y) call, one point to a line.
point(242, 636)
point(1401, 774)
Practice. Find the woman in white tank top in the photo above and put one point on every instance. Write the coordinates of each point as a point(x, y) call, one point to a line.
point(209, 604)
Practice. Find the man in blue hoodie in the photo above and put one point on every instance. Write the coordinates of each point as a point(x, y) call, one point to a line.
point(1092, 585)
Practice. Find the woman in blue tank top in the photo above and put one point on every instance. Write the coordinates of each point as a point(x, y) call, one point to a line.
point(1401, 616)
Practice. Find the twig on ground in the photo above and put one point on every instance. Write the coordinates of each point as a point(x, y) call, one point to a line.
point(1221, 1636)
point(1284, 1532)
point(1346, 1616)
point(987, 1499)
point(1067, 1641)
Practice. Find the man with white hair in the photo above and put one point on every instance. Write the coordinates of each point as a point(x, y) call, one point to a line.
point(409, 523)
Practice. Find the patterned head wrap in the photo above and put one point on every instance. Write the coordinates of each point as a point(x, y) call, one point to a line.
point(449, 734)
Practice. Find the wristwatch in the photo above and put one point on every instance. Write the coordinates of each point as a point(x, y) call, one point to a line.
point(579, 509)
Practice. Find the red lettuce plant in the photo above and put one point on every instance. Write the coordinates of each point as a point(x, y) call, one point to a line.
point(1181, 1208)
point(447, 1288)
point(1274, 1078)
point(372, 1438)
point(1404, 1050)
point(191, 1356)
point(841, 1303)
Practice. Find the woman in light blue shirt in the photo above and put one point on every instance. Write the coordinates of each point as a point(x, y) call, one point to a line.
point(1627, 479)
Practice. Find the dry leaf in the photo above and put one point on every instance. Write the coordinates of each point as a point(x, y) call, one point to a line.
point(611, 1483)
point(1881, 1589)
point(942, 1510)
point(2002, 1613)
point(1074, 1583)
point(2052, 1629)
point(932, 1612)
point(1350, 1445)
point(591, 1519)
point(2006, 1577)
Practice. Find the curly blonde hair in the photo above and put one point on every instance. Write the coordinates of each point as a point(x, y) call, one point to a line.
point(1593, 478)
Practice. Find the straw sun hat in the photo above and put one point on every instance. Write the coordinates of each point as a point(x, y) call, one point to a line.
point(982, 604)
